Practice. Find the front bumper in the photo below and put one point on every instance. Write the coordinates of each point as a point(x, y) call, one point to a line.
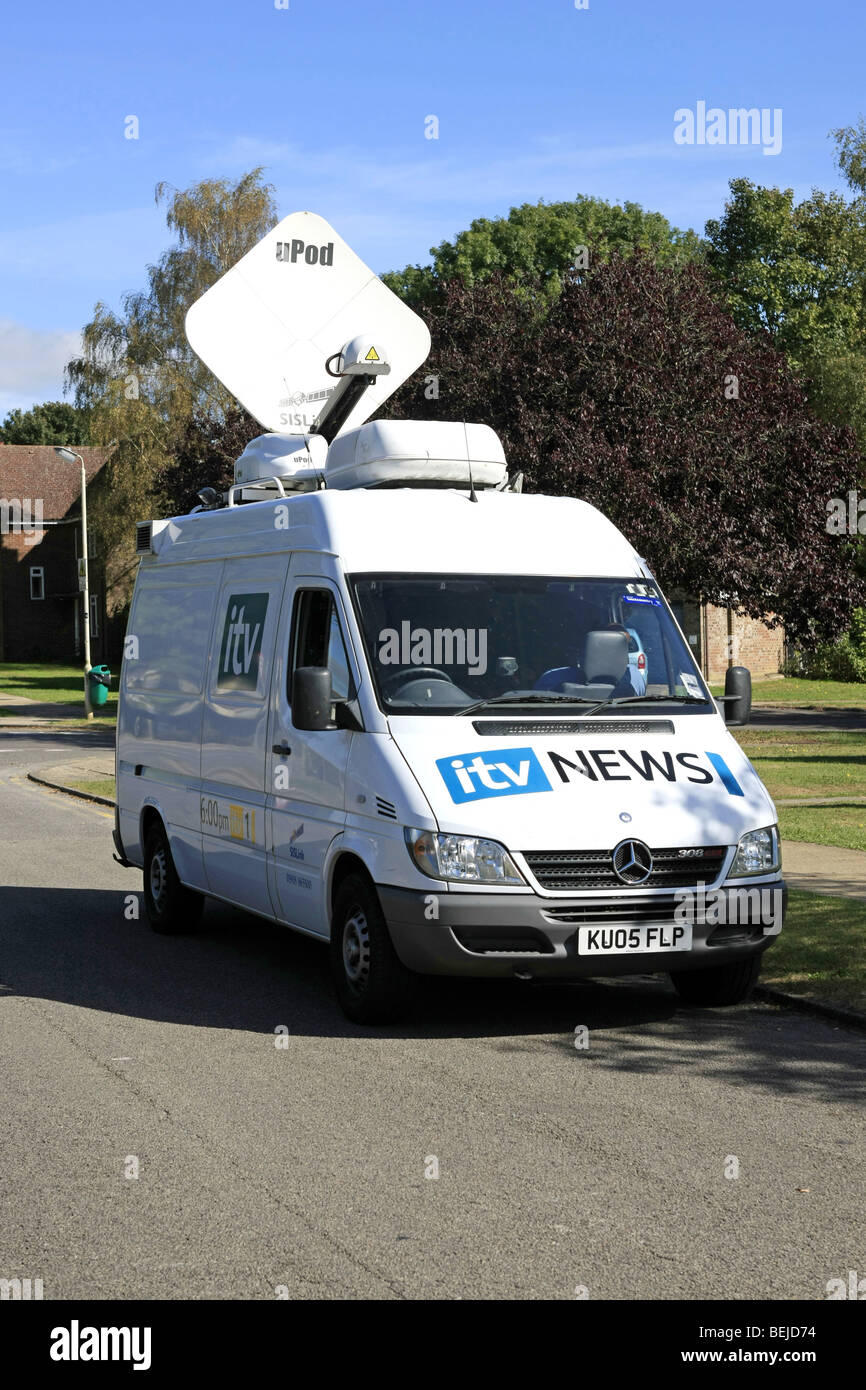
point(496, 935)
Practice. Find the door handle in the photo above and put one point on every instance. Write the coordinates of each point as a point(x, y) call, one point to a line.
point(282, 748)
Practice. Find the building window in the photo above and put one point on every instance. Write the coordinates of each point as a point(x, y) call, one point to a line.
point(94, 615)
point(37, 582)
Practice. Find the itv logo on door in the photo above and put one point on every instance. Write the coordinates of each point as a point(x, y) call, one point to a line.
point(500, 772)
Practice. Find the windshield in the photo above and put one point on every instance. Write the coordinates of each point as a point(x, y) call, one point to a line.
point(442, 643)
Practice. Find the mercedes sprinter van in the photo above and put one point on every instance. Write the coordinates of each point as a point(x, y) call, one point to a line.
point(380, 695)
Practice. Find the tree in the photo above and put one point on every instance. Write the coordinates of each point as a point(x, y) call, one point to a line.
point(851, 153)
point(798, 272)
point(205, 456)
point(137, 375)
point(52, 422)
point(638, 393)
point(795, 271)
point(539, 243)
point(145, 349)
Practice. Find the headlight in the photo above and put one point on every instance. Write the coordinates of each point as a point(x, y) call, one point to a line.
point(462, 858)
point(757, 853)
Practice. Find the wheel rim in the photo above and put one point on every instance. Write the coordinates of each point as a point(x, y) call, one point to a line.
point(356, 949)
point(158, 878)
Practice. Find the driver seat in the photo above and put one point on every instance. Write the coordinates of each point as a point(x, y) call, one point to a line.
point(604, 662)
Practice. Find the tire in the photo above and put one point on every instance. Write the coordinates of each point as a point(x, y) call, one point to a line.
point(171, 908)
point(720, 985)
point(371, 982)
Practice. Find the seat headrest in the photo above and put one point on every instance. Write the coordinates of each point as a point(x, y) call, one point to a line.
point(605, 656)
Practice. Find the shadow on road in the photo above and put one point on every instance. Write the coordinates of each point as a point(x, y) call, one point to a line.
point(826, 719)
point(69, 739)
point(76, 946)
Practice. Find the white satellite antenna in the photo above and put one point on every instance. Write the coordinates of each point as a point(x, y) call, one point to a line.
point(299, 300)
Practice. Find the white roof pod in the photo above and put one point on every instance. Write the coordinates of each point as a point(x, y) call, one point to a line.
point(422, 452)
point(298, 460)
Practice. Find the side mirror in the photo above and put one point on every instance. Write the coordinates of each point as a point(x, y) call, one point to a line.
point(738, 695)
point(311, 698)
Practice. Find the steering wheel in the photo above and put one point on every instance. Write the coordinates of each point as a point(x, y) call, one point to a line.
point(417, 673)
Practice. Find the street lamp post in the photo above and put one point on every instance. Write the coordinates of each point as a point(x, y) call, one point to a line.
point(69, 456)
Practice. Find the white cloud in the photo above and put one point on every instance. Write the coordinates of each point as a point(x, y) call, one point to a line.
point(31, 364)
point(385, 206)
point(434, 175)
point(393, 210)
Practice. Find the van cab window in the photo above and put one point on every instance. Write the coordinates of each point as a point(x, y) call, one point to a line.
point(442, 643)
point(318, 641)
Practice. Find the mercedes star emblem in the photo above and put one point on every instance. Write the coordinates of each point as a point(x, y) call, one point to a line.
point(632, 861)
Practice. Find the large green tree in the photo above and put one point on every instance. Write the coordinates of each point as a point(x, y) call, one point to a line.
point(798, 272)
point(794, 269)
point(538, 244)
point(52, 422)
point(137, 376)
point(143, 349)
point(638, 392)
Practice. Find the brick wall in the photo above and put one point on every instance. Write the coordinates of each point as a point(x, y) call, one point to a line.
point(734, 640)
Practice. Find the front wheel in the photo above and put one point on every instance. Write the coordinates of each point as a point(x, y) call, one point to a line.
point(171, 908)
point(720, 985)
point(371, 982)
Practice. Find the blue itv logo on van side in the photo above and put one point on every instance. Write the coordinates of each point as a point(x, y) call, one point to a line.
point(500, 772)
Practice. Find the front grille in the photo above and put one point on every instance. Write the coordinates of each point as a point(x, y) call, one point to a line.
point(616, 911)
point(572, 871)
point(520, 728)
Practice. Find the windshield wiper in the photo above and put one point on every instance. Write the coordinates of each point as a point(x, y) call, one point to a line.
point(646, 699)
point(545, 698)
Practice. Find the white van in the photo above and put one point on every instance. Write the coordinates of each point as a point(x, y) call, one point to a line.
point(391, 705)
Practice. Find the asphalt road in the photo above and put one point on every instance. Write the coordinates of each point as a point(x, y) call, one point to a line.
point(302, 1168)
point(828, 720)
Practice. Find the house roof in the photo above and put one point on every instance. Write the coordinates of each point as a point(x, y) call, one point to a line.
point(35, 471)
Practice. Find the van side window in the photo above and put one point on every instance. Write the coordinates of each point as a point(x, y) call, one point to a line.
point(318, 640)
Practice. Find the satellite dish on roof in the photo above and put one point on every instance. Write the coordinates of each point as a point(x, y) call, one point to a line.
point(267, 328)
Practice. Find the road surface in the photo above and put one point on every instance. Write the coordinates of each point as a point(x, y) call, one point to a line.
point(302, 1170)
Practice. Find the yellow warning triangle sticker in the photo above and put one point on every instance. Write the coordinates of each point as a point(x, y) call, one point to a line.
point(372, 355)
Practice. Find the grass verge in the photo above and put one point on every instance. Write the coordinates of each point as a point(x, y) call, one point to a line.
point(812, 763)
point(820, 952)
point(100, 787)
point(807, 762)
point(49, 682)
point(844, 826)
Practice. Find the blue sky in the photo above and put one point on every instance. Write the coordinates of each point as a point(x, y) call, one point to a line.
point(534, 100)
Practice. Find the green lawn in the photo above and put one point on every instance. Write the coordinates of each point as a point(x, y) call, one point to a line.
point(811, 763)
point(825, 825)
point(821, 950)
point(46, 681)
point(793, 691)
point(807, 762)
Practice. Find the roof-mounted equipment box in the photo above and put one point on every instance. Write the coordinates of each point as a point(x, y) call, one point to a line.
point(416, 453)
